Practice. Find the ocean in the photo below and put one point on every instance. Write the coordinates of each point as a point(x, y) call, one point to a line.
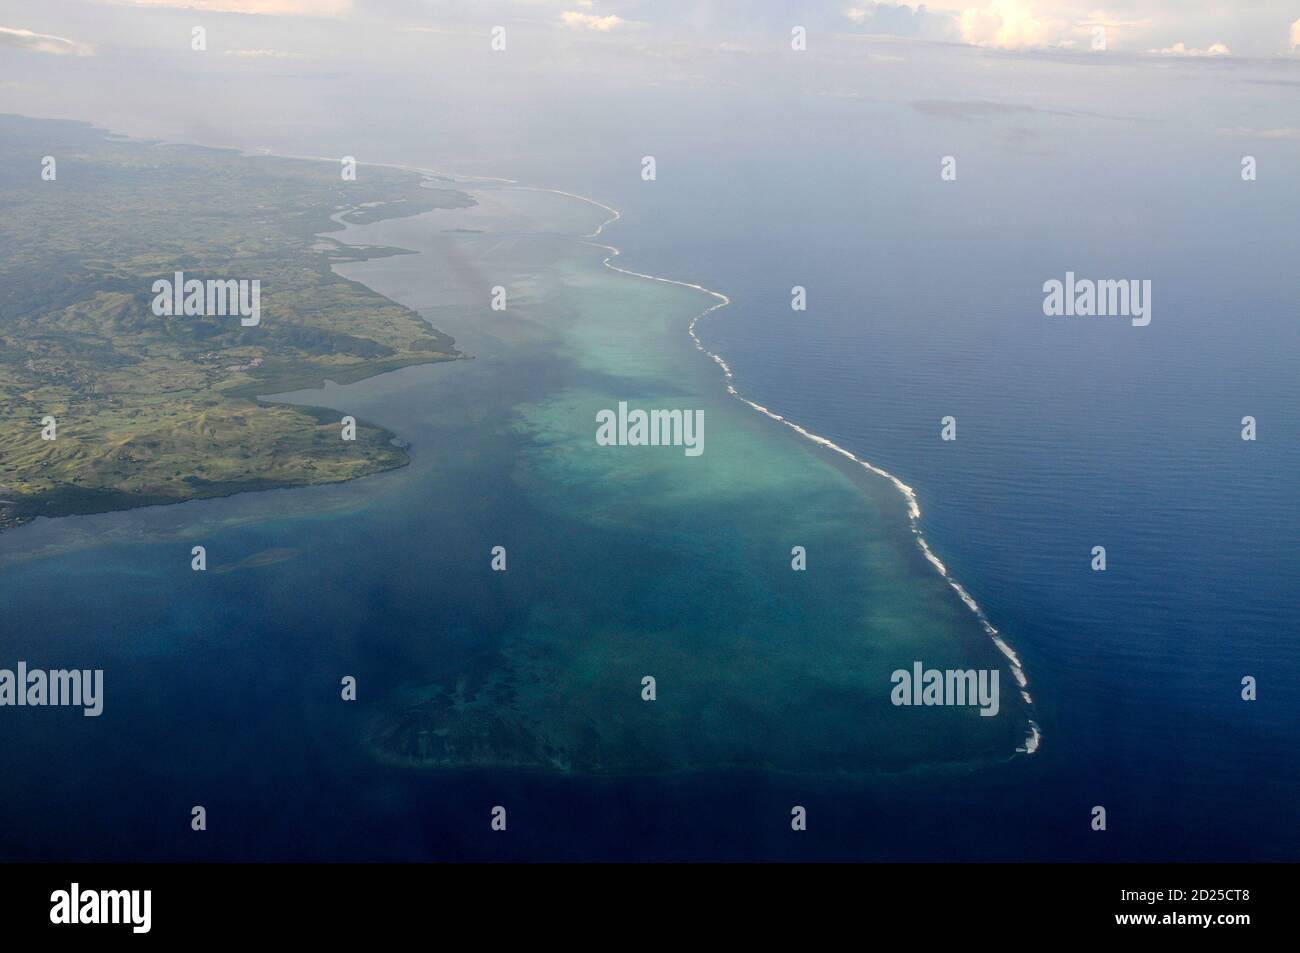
point(924, 301)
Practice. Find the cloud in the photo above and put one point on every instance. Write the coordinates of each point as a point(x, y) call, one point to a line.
point(443, 31)
point(265, 54)
point(590, 21)
point(43, 43)
point(1281, 132)
point(967, 110)
point(998, 24)
point(1007, 24)
point(901, 19)
point(275, 8)
point(1132, 26)
point(1295, 34)
point(1181, 49)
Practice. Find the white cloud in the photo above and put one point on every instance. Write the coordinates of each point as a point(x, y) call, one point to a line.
point(279, 8)
point(1281, 132)
point(443, 31)
point(590, 21)
point(858, 12)
point(1115, 25)
point(43, 43)
point(1001, 24)
point(1181, 49)
point(265, 54)
point(1295, 34)
point(1008, 24)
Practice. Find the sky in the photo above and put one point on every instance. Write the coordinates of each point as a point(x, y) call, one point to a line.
point(1258, 28)
point(419, 80)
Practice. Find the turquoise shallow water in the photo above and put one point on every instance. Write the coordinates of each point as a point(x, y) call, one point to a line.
point(523, 688)
point(222, 688)
point(660, 563)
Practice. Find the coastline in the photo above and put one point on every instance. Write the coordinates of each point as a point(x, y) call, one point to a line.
point(380, 446)
point(1034, 738)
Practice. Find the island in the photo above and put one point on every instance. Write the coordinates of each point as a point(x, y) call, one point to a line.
point(150, 409)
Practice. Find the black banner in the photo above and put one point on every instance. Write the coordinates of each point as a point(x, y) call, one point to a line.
point(170, 902)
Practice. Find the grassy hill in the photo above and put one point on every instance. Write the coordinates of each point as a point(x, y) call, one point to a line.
point(161, 409)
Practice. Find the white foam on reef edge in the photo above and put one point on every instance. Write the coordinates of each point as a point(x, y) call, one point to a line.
point(1034, 738)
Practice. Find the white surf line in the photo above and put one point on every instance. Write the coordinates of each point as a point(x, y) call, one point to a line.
point(262, 153)
point(1034, 738)
point(615, 215)
point(440, 173)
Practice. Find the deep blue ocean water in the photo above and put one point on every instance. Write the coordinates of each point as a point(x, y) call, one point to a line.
point(924, 301)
